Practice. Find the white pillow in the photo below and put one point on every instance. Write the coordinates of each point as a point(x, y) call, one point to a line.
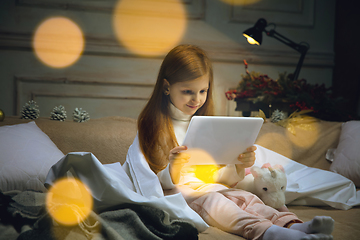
point(26, 155)
point(347, 155)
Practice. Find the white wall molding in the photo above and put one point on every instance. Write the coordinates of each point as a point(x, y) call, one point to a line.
point(95, 96)
point(195, 8)
point(295, 13)
point(212, 24)
point(219, 52)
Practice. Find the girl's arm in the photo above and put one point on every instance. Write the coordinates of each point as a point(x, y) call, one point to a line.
point(177, 161)
point(246, 159)
point(165, 179)
point(171, 174)
point(231, 174)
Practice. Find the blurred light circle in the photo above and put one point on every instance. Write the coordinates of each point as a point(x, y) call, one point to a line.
point(202, 165)
point(149, 27)
point(69, 201)
point(277, 142)
point(58, 42)
point(305, 135)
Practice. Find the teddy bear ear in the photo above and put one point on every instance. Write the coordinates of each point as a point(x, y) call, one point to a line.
point(266, 165)
point(255, 171)
point(278, 166)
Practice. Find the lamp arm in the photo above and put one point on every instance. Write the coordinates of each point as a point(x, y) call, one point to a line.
point(298, 66)
point(298, 47)
point(302, 49)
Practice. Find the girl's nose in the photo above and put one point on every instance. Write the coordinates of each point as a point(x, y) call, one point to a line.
point(196, 98)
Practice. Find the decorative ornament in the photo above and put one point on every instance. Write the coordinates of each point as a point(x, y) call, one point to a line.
point(289, 95)
point(262, 115)
point(58, 113)
point(300, 120)
point(2, 115)
point(30, 110)
point(80, 115)
point(277, 115)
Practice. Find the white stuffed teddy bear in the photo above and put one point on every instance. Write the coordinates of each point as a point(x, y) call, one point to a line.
point(268, 183)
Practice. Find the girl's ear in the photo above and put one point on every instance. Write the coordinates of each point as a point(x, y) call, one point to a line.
point(166, 87)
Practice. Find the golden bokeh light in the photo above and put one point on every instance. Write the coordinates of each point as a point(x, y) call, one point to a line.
point(206, 173)
point(149, 27)
point(303, 133)
point(240, 2)
point(202, 165)
point(69, 201)
point(277, 142)
point(58, 42)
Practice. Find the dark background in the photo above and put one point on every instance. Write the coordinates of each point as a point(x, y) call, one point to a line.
point(346, 79)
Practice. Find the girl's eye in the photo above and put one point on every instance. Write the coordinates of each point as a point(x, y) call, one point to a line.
point(203, 91)
point(187, 92)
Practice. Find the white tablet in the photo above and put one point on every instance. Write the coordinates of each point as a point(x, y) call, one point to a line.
point(220, 140)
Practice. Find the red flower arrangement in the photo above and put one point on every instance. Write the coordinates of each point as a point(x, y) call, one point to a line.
point(298, 94)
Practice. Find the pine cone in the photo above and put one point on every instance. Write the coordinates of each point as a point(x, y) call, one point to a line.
point(80, 115)
point(58, 113)
point(30, 110)
point(277, 115)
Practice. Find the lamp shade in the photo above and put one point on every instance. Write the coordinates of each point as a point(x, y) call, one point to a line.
point(254, 34)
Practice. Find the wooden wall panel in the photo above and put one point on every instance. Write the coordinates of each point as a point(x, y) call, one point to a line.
point(99, 99)
point(119, 79)
point(295, 13)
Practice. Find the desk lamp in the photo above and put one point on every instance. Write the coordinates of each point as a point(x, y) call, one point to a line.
point(254, 36)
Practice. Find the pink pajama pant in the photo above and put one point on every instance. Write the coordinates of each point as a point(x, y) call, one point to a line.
point(239, 212)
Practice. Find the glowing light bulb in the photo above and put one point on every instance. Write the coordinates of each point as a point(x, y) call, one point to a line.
point(251, 40)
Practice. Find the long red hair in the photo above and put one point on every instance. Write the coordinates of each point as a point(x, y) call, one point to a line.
point(156, 133)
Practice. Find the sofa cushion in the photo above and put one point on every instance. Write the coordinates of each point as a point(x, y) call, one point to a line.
point(26, 155)
point(108, 138)
point(347, 155)
point(307, 147)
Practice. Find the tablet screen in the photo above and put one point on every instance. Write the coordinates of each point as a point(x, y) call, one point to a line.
point(220, 140)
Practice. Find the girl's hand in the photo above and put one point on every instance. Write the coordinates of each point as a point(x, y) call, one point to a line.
point(177, 161)
point(247, 159)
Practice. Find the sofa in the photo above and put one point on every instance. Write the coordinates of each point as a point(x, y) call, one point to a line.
point(109, 138)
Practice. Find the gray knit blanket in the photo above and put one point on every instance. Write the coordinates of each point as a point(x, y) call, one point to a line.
point(26, 212)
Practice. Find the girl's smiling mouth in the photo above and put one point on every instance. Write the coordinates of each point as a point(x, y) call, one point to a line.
point(192, 107)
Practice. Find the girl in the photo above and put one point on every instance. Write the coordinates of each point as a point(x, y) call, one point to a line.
point(183, 89)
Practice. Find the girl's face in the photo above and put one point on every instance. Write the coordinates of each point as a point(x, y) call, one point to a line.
point(189, 96)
